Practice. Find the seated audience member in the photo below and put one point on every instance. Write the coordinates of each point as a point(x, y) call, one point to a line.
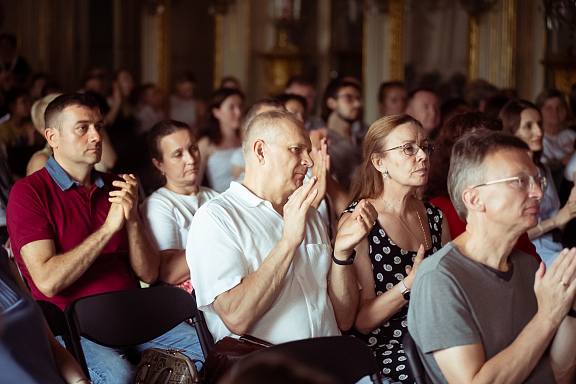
point(39, 81)
point(481, 311)
point(452, 107)
point(17, 134)
point(11, 62)
point(340, 110)
point(295, 104)
point(396, 163)
point(169, 211)
point(558, 140)
point(260, 263)
point(221, 137)
point(77, 232)
point(39, 159)
point(424, 106)
point(150, 107)
point(478, 92)
point(260, 106)
point(522, 119)
point(437, 192)
point(29, 351)
point(301, 86)
point(183, 106)
point(392, 98)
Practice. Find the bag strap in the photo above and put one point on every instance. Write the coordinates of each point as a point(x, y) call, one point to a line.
point(254, 340)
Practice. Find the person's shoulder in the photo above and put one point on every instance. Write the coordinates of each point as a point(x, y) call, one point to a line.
point(445, 260)
point(158, 198)
point(208, 192)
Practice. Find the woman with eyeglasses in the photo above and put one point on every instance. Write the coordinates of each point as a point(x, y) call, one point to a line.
point(523, 119)
point(395, 163)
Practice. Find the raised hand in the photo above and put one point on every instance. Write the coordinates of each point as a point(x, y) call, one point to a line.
point(320, 170)
point(354, 229)
point(295, 213)
point(556, 288)
point(411, 271)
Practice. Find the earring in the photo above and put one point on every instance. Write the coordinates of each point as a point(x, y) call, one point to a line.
point(384, 175)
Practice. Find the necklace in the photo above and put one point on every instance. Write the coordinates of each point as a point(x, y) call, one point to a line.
point(409, 231)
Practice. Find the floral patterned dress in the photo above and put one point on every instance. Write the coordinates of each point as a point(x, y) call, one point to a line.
point(389, 264)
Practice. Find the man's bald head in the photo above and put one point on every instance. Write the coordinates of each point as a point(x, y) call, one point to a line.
point(267, 126)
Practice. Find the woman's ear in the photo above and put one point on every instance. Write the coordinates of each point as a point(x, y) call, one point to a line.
point(378, 163)
point(216, 113)
point(158, 165)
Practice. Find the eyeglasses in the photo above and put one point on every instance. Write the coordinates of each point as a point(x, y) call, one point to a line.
point(411, 149)
point(524, 182)
point(350, 98)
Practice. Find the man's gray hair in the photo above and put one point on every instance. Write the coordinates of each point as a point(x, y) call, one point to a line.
point(467, 162)
point(265, 126)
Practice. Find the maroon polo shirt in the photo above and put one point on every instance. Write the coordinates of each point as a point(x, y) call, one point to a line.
point(50, 205)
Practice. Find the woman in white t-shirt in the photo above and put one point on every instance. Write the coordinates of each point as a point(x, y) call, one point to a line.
point(220, 137)
point(558, 141)
point(168, 212)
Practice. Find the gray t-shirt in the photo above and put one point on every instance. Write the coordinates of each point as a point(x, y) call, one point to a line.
point(457, 301)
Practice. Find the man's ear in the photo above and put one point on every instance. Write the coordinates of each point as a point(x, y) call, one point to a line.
point(471, 197)
point(331, 103)
point(52, 137)
point(259, 151)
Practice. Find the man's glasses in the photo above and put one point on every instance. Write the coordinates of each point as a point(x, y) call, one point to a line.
point(524, 182)
point(411, 149)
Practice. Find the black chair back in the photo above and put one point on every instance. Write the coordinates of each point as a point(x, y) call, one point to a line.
point(414, 363)
point(345, 357)
point(127, 318)
point(58, 324)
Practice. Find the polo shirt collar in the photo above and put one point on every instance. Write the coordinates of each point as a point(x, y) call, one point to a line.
point(247, 198)
point(64, 181)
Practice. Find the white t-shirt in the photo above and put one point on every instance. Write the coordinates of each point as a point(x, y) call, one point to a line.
point(229, 239)
point(168, 215)
point(559, 146)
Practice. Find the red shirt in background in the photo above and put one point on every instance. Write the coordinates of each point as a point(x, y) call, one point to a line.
point(457, 226)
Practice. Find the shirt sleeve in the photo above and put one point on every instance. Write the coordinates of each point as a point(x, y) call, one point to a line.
point(161, 224)
point(27, 216)
point(439, 316)
point(216, 261)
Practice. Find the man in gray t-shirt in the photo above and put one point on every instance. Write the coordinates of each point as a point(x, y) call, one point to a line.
point(481, 311)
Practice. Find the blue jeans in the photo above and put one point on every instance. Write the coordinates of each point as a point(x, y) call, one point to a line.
point(113, 366)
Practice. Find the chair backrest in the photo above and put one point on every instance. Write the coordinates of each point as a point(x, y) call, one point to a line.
point(414, 362)
point(345, 357)
point(58, 324)
point(127, 318)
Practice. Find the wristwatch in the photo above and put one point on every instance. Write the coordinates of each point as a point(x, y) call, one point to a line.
point(404, 291)
point(344, 262)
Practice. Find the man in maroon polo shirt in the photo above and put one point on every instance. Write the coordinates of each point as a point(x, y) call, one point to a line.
point(77, 232)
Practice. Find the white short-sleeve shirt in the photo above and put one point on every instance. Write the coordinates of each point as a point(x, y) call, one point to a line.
point(168, 215)
point(229, 239)
point(559, 146)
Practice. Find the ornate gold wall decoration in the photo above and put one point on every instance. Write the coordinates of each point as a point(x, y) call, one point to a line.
point(218, 47)
point(397, 40)
point(474, 46)
point(508, 43)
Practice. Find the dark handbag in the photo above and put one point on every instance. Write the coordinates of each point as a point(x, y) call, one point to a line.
point(225, 353)
point(161, 366)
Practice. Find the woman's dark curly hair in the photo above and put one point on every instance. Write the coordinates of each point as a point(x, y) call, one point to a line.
point(449, 133)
